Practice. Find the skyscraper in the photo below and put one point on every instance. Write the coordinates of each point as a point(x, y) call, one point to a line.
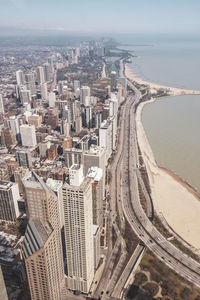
point(40, 75)
point(9, 194)
point(7, 138)
point(30, 83)
point(28, 135)
point(20, 77)
point(1, 105)
point(52, 99)
point(13, 124)
point(44, 91)
point(24, 158)
point(42, 248)
point(84, 92)
point(105, 137)
point(77, 202)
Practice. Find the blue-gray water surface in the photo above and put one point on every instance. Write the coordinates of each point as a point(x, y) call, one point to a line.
point(172, 124)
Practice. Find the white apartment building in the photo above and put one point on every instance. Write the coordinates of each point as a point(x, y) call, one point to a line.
point(28, 135)
point(78, 218)
point(84, 92)
point(105, 137)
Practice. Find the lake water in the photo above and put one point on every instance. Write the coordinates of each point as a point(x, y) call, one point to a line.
point(172, 124)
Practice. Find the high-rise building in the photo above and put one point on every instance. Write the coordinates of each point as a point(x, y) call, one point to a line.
point(123, 82)
point(42, 248)
point(7, 138)
point(94, 157)
point(25, 95)
point(47, 72)
point(52, 99)
point(40, 75)
point(65, 128)
point(78, 218)
point(20, 77)
point(105, 137)
point(88, 116)
point(44, 91)
point(1, 105)
point(20, 175)
point(30, 83)
point(96, 174)
point(24, 158)
point(113, 105)
point(13, 124)
point(28, 135)
point(113, 76)
point(76, 85)
point(35, 120)
point(56, 186)
point(84, 92)
point(73, 156)
point(9, 195)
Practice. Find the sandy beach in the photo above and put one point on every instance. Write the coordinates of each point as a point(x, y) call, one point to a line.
point(171, 90)
point(173, 198)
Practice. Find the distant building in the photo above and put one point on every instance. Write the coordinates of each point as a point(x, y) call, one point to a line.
point(105, 137)
point(52, 152)
point(9, 195)
point(43, 147)
point(44, 91)
point(113, 77)
point(52, 99)
point(1, 105)
point(30, 83)
point(84, 92)
point(20, 77)
point(21, 174)
point(35, 120)
point(94, 157)
point(73, 156)
point(13, 124)
point(8, 138)
point(24, 158)
point(76, 85)
point(40, 75)
point(28, 135)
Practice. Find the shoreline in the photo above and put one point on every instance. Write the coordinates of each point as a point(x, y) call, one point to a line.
point(173, 197)
point(173, 91)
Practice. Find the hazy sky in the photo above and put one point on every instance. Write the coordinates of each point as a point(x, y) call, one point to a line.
point(102, 15)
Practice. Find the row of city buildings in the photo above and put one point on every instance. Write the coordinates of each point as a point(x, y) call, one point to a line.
point(55, 146)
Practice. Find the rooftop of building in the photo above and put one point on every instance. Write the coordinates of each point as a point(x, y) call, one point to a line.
point(94, 150)
point(95, 173)
point(73, 150)
point(4, 185)
point(55, 185)
point(44, 229)
point(35, 181)
point(75, 167)
point(105, 124)
point(81, 187)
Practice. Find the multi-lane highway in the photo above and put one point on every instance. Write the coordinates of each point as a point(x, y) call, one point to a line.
point(125, 201)
point(139, 221)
